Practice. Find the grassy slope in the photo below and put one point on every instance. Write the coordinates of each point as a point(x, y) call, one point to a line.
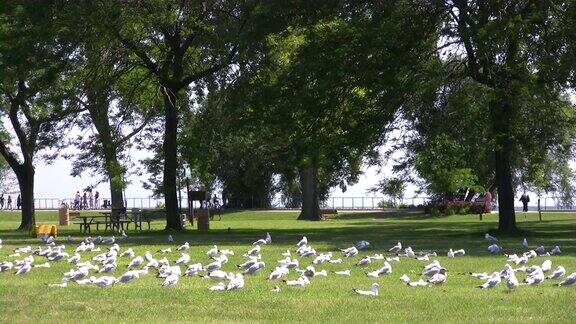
point(27, 298)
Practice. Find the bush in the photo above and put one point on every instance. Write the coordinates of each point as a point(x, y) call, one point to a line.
point(449, 210)
point(454, 207)
point(434, 211)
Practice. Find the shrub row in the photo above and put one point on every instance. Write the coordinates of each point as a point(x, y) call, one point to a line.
point(448, 208)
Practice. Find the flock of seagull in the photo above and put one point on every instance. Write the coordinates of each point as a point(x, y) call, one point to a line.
point(303, 261)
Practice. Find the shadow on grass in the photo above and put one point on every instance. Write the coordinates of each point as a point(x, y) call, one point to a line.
point(417, 230)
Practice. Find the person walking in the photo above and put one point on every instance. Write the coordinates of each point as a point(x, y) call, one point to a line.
point(9, 203)
point(90, 199)
point(97, 200)
point(488, 202)
point(84, 201)
point(525, 199)
point(2, 201)
point(77, 200)
point(18, 202)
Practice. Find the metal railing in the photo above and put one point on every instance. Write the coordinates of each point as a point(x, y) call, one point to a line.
point(346, 203)
point(336, 202)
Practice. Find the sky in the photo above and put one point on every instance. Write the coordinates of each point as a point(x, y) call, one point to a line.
point(54, 181)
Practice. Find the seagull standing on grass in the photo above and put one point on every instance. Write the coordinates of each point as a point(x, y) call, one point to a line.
point(374, 290)
point(490, 238)
point(396, 248)
point(104, 281)
point(525, 243)
point(512, 281)
point(494, 248)
point(350, 252)
point(75, 258)
point(184, 259)
point(365, 261)
point(127, 277)
point(540, 250)
point(184, 247)
point(5, 266)
point(439, 278)
point(237, 282)
point(171, 280)
point(255, 268)
point(535, 277)
point(569, 281)
point(264, 241)
point(128, 253)
point(547, 265)
point(111, 240)
point(193, 269)
point(492, 282)
point(213, 251)
point(279, 272)
point(136, 262)
point(559, 272)
point(303, 241)
point(254, 251)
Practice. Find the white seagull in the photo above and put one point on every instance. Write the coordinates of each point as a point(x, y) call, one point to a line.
point(396, 248)
point(184, 259)
point(343, 273)
point(559, 272)
point(374, 290)
point(184, 247)
point(193, 269)
point(136, 262)
point(171, 280)
point(490, 238)
point(492, 282)
point(569, 281)
point(303, 241)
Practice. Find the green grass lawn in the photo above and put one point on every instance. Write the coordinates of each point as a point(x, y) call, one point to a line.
point(27, 298)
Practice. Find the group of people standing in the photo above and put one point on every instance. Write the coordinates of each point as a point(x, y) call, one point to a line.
point(6, 203)
point(87, 200)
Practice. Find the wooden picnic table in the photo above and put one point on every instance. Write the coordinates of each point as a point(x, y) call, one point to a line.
point(88, 221)
point(123, 218)
point(105, 218)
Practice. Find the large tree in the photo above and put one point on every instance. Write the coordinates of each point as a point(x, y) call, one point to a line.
point(509, 48)
point(181, 43)
point(119, 99)
point(330, 88)
point(36, 56)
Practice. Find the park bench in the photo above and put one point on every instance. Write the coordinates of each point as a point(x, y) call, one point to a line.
point(326, 212)
point(138, 218)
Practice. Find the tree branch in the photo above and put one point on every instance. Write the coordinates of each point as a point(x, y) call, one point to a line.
point(148, 63)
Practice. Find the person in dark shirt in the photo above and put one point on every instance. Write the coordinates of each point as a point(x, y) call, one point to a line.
point(525, 199)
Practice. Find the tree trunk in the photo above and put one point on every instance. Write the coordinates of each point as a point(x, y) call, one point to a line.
point(117, 197)
point(25, 176)
point(98, 110)
point(502, 119)
point(507, 215)
point(310, 193)
point(171, 160)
